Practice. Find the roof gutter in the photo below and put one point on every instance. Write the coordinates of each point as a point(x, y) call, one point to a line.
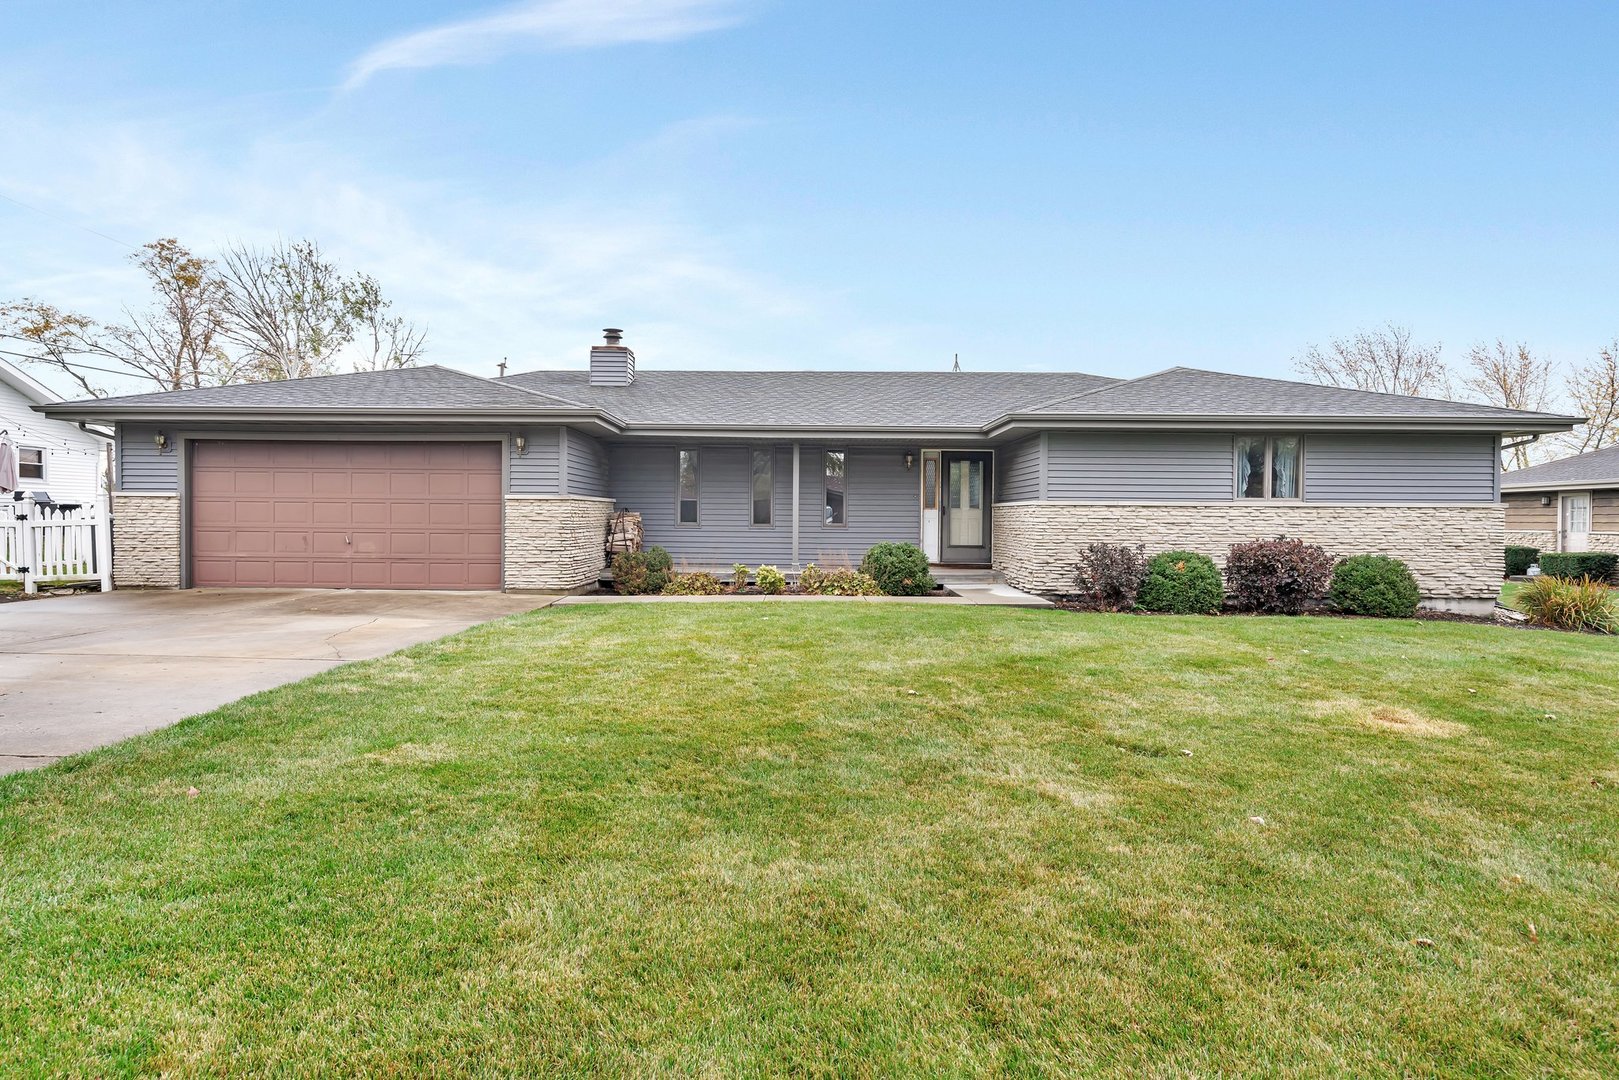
point(93, 413)
point(1215, 422)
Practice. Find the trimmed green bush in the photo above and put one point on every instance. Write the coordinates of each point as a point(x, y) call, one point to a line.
point(739, 575)
point(1374, 585)
point(699, 583)
point(1569, 604)
point(898, 569)
point(771, 580)
point(1520, 558)
point(1182, 582)
point(1596, 565)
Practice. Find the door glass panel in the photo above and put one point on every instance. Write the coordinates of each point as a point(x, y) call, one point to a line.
point(930, 482)
point(1579, 513)
point(966, 517)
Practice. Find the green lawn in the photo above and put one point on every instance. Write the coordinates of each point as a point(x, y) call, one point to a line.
point(845, 838)
point(1509, 593)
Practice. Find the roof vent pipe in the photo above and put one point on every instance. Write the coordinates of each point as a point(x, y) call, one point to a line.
point(612, 364)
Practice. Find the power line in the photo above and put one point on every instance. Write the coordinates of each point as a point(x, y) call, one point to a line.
point(67, 221)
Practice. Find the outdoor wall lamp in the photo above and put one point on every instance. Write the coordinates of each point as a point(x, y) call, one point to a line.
point(910, 459)
point(521, 442)
point(162, 441)
point(1545, 500)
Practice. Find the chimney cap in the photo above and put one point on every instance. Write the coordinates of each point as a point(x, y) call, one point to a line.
point(613, 335)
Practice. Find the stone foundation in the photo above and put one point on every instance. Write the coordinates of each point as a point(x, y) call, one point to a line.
point(145, 540)
point(1455, 551)
point(555, 544)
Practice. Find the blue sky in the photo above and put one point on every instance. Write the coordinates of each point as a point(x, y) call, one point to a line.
point(762, 183)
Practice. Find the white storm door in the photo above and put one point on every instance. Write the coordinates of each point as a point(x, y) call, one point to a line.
point(966, 503)
point(1577, 521)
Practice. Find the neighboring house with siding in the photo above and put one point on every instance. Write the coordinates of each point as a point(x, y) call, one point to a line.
point(434, 478)
point(1566, 505)
point(53, 456)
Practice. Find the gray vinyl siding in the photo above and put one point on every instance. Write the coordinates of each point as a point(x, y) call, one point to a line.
point(1153, 466)
point(535, 471)
point(586, 465)
point(1397, 468)
point(140, 466)
point(882, 503)
point(1017, 472)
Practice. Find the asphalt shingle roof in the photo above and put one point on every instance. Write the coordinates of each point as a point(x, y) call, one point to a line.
point(1193, 392)
point(425, 387)
point(1597, 468)
point(874, 399)
point(916, 400)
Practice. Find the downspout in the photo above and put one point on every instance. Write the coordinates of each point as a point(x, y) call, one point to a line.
point(796, 566)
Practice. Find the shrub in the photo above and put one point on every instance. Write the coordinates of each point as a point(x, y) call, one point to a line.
point(1182, 582)
point(898, 569)
point(1519, 559)
point(837, 582)
point(739, 575)
point(1110, 575)
point(700, 583)
point(1374, 585)
point(771, 580)
point(1569, 604)
point(638, 572)
point(1597, 565)
point(1278, 576)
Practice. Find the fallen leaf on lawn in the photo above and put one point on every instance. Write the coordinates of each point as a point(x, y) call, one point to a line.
point(1533, 936)
point(1257, 820)
point(192, 793)
point(1424, 943)
point(1186, 753)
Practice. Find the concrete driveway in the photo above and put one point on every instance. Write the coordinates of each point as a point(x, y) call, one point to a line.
point(79, 672)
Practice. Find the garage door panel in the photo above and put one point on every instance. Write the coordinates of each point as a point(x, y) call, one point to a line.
point(346, 515)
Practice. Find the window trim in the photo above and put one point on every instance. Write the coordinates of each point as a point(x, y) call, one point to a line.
point(44, 459)
point(1270, 452)
point(844, 524)
point(697, 497)
point(753, 522)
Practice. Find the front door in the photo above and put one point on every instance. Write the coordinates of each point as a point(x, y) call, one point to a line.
point(1577, 521)
point(966, 508)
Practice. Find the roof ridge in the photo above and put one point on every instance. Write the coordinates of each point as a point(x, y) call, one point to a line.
point(1367, 393)
point(520, 389)
point(1115, 384)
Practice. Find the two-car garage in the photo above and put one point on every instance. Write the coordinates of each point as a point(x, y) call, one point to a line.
point(345, 515)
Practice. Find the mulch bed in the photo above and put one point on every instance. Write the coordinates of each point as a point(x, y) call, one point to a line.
point(1422, 615)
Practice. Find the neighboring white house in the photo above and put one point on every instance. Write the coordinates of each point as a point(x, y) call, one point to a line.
point(53, 456)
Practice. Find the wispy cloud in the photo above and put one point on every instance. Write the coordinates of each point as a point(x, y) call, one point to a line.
point(546, 24)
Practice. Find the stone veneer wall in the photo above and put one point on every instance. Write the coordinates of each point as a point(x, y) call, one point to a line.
point(555, 543)
point(1455, 551)
point(1545, 541)
point(145, 540)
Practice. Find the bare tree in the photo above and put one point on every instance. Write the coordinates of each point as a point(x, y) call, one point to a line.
point(174, 344)
point(288, 310)
point(1512, 377)
point(1593, 388)
point(381, 340)
point(1385, 360)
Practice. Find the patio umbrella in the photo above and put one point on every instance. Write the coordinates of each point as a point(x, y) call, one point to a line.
point(8, 463)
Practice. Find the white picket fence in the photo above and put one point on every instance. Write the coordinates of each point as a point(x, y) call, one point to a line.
point(46, 543)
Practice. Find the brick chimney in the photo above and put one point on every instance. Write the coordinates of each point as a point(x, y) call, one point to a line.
point(612, 364)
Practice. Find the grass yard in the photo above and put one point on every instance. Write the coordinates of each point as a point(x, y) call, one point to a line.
point(845, 838)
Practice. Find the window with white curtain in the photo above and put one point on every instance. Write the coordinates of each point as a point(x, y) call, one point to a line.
point(1270, 467)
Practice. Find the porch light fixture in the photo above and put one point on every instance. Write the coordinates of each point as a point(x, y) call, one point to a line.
point(521, 442)
point(910, 459)
point(162, 441)
point(1545, 500)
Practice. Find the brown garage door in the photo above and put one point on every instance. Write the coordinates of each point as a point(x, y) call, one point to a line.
point(340, 515)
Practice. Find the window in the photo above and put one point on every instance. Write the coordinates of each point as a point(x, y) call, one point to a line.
point(833, 468)
point(686, 509)
point(30, 463)
point(930, 480)
point(1268, 467)
point(764, 485)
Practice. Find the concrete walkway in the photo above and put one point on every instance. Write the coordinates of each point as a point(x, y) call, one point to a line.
point(79, 672)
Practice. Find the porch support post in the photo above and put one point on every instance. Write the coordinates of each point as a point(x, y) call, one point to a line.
point(796, 566)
